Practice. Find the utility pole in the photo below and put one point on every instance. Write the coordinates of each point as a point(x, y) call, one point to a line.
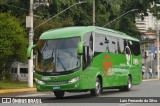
point(157, 48)
point(94, 10)
point(29, 24)
point(31, 34)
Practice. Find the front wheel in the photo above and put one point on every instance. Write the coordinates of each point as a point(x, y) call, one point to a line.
point(128, 86)
point(59, 94)
point(97, 91)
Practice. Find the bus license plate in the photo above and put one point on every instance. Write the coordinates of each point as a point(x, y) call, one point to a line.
point(56, 87)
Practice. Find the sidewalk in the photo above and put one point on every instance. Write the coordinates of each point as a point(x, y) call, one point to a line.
point(16, 90)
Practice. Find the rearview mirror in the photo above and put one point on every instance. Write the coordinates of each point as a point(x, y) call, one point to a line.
point(29, 50)
point(80, 47)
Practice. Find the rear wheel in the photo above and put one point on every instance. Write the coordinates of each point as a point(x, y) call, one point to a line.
point(59, 94)
point(97, 91)
point(128, 86)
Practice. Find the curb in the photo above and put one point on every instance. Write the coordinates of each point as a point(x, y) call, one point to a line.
point(150, 79)
point(16, 90)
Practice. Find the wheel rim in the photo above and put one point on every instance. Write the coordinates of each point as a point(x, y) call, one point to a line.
point(98, 87)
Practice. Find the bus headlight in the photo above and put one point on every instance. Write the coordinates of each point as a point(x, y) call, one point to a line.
point(74, 79)
point(39, 81)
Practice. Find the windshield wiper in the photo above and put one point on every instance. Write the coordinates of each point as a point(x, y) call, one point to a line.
point(61, 63)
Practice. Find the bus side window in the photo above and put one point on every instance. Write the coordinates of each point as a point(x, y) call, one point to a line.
point(86, 57)
point(87, 50)
point(120, 46)
point(112, 45)
point(135, 48)
point(101, 44)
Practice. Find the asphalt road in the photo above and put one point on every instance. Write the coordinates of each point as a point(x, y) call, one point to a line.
point(149, 89)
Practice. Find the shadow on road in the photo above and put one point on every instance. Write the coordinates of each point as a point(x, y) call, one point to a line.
point(86, 98)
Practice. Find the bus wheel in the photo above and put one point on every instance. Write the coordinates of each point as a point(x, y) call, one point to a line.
point(97, 91)
point(59, 94)
point(128, 86)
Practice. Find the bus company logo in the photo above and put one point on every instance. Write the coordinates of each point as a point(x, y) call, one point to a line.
point(107, 65)
point(46, 78)
point(135, 61)
point(6, 100)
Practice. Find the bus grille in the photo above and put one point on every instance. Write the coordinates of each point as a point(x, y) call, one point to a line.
point(56, 83)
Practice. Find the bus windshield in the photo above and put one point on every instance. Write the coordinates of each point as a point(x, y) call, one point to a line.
point(58, 56)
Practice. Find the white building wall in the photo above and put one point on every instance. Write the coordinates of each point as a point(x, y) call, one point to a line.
point(148, 22)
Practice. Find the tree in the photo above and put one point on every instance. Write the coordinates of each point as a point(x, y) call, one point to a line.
point(79, 15)
point(127, 23)
point(155, 10)
point(13, 42)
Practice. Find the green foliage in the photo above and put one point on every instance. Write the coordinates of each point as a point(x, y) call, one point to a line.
point(49, 25)
point(127, 23)
point(156, 10)
point(78, 15)
point(13, 43)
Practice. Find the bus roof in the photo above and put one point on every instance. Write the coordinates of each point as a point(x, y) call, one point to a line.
point(80, 31)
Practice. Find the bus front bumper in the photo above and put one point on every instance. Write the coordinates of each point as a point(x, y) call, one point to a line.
point(64, 87)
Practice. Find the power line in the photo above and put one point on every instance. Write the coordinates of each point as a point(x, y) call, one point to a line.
point(80, 2)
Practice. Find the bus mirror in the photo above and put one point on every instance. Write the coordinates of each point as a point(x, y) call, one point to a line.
point(29, 50)
point(80, 48)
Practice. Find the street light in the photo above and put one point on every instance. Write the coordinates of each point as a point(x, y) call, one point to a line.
point(40, 2)
point(80, 2)
point(121, 16)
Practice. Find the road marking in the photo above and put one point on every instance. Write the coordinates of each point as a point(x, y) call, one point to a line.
point(125, 104)
point(31, 95)
point(39, 105)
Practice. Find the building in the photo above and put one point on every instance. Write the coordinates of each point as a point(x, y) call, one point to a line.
point(149, 22)
point(150, 35)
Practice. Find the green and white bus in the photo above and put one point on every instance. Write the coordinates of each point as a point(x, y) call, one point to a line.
point(86, 58)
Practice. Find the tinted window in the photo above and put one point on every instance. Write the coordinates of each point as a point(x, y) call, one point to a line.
point(113, 48)
point(120, 44)
point(100, 45)
point(23, 70)
point(105, 43)
point(136, 48)
point(87, 50)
